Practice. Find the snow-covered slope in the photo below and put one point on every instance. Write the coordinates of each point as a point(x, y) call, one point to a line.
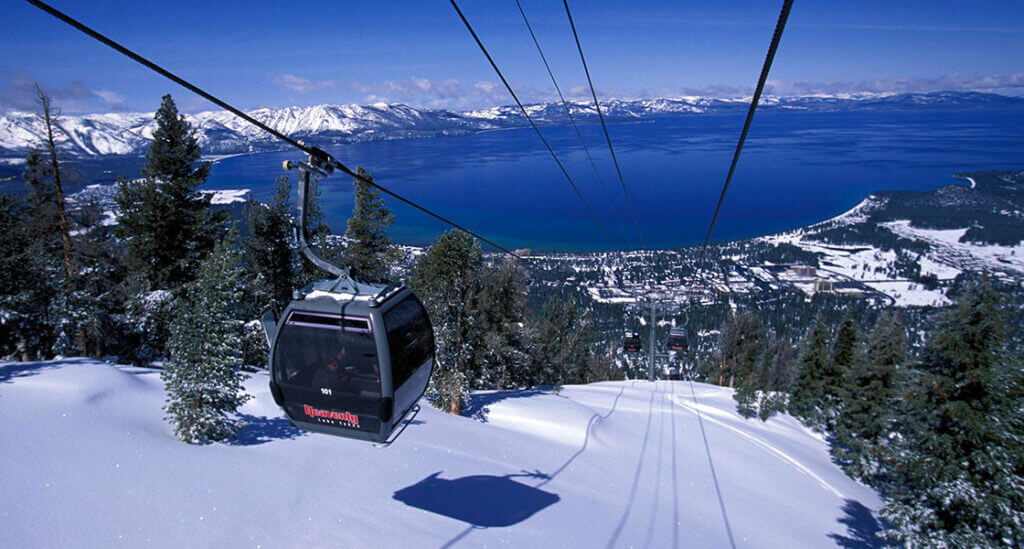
point(220, 132)
point(87, 460)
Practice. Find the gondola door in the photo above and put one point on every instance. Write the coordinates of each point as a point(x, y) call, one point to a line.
point(328, 372)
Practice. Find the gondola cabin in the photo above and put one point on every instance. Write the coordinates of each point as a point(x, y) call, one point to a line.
point(677, 340)
point(631, 342)
point(350, 364)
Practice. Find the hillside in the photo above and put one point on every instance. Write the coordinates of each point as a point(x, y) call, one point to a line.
point(89, 461)
point(220, 132)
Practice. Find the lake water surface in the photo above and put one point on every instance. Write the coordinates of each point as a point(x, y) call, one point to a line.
point(797, 168)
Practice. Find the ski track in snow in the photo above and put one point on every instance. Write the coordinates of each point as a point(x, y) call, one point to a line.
point(775, 451)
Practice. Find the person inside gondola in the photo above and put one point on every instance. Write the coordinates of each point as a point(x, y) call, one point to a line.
point(335, 376)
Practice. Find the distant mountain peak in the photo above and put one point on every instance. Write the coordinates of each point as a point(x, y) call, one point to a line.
point(326, 125)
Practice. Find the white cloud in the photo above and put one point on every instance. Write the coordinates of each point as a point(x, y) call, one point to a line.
point(110, 97)
point(18, 93)
point(999, 83)
point(449, 93)
point(302, 85)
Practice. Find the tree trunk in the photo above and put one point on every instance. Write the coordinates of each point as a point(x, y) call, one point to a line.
point(455, 406)
point(65, 232)
point(23, 351)
point(62, 216)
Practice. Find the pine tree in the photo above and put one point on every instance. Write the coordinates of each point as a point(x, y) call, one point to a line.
point(49, 118)
point(957, 477)
point(504, 360)
point(780, 364)
point(166, 223)
point(102, 287)
point(37, 279)
point(777, 373)
point(746, 395)
point(603, 366)
point(447, 280)
point(844, 355)
point(268, 252)
point(845, 347)
point(18, 321)
point(741, 348)
point(370, 251)
point(809, 393)
point(561, 347)
point(868, 400)
point(202, 376)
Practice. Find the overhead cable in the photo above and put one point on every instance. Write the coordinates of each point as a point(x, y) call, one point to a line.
point(530, 120)
point(572, 119)
point(776, 37)
point(604, 127)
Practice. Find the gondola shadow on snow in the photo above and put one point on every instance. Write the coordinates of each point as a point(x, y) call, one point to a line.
point(480, 500)
point(262, 429)
point(862, 528)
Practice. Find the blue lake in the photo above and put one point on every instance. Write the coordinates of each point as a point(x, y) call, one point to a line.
point(796, 168)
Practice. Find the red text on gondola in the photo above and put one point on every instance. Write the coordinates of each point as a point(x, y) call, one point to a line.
point(347, 417)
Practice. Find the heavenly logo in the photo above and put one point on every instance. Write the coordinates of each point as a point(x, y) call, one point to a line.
point(347, 417)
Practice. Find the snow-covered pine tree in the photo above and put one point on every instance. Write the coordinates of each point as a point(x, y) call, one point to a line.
point(268, 251)
point(845, 348)
point(742, 347)
point(869, 400)
point(845, 353)
point(101, 257)
point(957, 477)
point(809, 391)
point(165, 222)
point(504, 360)
point(36, 282)
point(18, 308)
point(779, 369)
point(202, 376)
point(447, 279)
point(369, 250)
point(746, 395)
point(561, 345)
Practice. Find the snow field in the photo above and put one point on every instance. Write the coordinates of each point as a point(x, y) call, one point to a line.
point(89, 461)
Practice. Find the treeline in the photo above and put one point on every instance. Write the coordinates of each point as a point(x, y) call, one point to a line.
point(939, 435)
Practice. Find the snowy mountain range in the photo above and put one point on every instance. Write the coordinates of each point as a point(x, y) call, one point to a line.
point(220, 132)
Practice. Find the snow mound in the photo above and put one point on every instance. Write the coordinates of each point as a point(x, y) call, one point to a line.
point(89, 460)
point(564, 422)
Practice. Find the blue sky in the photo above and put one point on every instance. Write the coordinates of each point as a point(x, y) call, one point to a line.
point(276, 54)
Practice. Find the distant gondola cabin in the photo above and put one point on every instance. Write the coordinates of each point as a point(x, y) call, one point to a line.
point(677, 340)
point(631, 342)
